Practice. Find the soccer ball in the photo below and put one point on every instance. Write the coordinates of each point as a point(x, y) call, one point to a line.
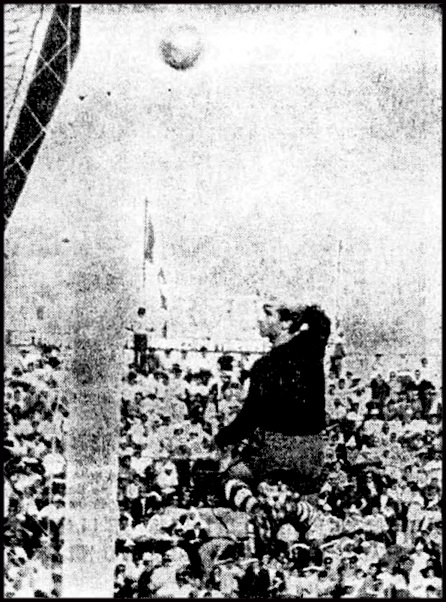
point(181, 47)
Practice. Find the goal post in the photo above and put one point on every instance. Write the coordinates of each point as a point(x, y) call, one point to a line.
point(40, 50)
point(95, 370)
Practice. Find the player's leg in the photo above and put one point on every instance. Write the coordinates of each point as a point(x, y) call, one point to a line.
point(239, 488)
point(136, 350)
point(143, 353)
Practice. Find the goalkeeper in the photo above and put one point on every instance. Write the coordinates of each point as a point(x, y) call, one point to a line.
point(283, 415)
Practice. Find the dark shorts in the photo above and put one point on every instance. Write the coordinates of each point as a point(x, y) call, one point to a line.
point(140, 342)
point(294, 459)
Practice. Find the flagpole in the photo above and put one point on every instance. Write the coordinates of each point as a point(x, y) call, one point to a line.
point(338, 280)
point(150, 255)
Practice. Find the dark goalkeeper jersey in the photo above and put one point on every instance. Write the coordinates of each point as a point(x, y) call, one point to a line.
point(287, 389)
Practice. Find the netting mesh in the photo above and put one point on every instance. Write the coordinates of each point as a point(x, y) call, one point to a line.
point(24, 27)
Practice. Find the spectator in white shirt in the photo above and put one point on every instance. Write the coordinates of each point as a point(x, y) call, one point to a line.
point(130, 387)
point(166, 573)
point(375, 523)
point(137, 431)
point(141, 329)
point(54, 464)
point(167, 478)
point(425, 372)
point(177, 385)
point(414, 513)
point(24, 480)
point(142, 531)
point(149, 386)
point(378, 363)
point(140, 463)
point(162, 385)
point(432, 579)
point(178, 410)
point(54, 511)
point(372, 425)
point(353, 521)
point(125, 529)
point(417, 425)
point(338, 412)
point(24, 427)
point(135, 569)
point(399, 535)
point(132, 491)
point(419, 558)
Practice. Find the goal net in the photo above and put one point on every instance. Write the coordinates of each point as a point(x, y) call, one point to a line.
point(24, 30)
point(41, 45)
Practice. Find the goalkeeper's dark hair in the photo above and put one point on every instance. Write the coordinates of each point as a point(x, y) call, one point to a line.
point(312, 315)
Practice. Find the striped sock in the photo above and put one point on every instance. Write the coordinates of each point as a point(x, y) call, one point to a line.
point(305, 513)
point(240, 496)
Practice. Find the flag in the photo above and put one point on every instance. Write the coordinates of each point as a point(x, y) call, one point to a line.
point(149, 243)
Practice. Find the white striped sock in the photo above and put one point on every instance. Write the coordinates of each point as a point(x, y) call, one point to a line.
point(230, 485)
point(250, 504)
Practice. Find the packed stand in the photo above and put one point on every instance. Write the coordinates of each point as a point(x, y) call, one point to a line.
point(373, 529)
point(35, 421)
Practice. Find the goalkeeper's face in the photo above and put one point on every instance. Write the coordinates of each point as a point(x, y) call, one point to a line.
point(270, 324)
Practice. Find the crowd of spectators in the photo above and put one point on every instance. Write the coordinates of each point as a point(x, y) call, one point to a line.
point(376, 528)
point(34, 422)
point(376, 520)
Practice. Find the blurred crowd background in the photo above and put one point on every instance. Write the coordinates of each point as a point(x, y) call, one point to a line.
point(35, 416)
point(376, 520)
point(375, 528)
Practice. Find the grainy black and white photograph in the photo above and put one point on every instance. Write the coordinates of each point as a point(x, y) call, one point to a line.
point(222, 281)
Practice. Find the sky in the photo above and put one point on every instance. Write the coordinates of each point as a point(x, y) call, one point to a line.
point(299, 155)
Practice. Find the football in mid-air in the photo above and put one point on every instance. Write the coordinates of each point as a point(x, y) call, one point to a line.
point(181, 47)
